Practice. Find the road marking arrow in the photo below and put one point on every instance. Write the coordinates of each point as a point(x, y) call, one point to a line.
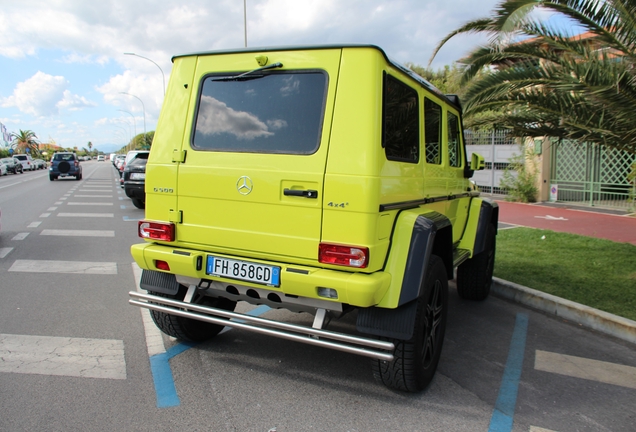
point(548, 217)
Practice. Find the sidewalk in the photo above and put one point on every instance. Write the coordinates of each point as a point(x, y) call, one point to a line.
point(587, 222)
point(618, 228)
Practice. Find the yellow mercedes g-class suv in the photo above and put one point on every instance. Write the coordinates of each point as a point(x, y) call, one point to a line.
point(322, 179)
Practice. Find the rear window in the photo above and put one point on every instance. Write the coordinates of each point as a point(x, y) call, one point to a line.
point(63, 157)
point(21, 157)
point(270, 113)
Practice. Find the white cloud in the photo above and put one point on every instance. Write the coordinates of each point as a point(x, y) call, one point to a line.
point(91, 37)
point(44, 95)
point(74, 102)
point(38, 95)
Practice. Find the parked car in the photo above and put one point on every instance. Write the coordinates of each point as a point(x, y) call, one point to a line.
point(135, 179)
point(13, 165)
point(3, 170)
point(130, 156)
point(119, 159)
point(27, 162)
point(39, 164)
point(65, 164)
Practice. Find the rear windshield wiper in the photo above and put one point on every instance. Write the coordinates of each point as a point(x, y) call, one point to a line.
point(248, 75)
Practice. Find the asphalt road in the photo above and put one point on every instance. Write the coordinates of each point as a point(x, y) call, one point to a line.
point(74, 356)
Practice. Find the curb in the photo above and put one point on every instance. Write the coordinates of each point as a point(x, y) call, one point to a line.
point(613, 325)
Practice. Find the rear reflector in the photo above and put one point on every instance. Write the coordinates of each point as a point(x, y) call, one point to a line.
point(162, 265)
point(349, 256)
point(156, 230)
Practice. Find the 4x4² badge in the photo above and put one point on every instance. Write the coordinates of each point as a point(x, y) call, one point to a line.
point(244, 185)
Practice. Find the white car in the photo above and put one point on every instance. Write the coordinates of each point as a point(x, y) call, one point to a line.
point(27, 162)
point(3, 169)
point(101, 158)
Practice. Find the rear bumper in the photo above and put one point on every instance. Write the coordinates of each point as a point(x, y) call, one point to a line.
point(134, 190)
point(355, 289)
point(367, 347)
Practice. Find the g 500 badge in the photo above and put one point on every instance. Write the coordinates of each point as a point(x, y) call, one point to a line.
point(164, 190)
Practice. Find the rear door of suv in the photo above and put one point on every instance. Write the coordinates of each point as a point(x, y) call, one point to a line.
point(251, 178)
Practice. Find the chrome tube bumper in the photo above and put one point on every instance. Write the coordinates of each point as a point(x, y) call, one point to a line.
point(373, 348)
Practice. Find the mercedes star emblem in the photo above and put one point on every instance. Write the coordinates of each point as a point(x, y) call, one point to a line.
point(244, 185)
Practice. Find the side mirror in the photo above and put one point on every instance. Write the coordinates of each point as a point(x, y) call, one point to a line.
point(477, 162)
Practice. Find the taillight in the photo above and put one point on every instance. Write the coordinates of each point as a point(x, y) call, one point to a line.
point(349, 256)
point(156, 230)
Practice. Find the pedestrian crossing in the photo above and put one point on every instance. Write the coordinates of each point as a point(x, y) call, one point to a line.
point(66, 356)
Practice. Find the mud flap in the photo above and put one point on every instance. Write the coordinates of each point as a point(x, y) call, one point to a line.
point(164, 283)
point(395, 323)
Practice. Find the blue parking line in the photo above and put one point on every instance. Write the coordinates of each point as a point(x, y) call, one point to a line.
point(258, 311)
point(503, 415)
point(162, 375)
point(165, 388)
point(129, 219)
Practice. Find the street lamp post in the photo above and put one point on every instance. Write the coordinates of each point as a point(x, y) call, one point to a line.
point(144, 109)
point(127, 131)
point(162, 74)
point(245, 20)
point(134, 120)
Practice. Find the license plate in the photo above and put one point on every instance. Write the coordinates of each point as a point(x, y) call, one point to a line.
point(137, 176)
point(243, 270)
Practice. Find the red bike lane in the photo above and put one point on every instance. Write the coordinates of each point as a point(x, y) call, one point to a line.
point(618, 228)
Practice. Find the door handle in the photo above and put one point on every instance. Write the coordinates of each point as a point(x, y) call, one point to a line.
point(301, 193)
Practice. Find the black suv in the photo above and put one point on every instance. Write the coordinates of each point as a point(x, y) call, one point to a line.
point(65, 164)
point(134, 179)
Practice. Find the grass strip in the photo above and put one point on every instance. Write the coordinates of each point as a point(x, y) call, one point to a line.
point(594, 272)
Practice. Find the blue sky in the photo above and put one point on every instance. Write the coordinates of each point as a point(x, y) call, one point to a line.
point(63, 68)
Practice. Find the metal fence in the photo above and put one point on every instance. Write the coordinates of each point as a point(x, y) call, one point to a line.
point(592, 175)
point(580, 173)
point(497, 147)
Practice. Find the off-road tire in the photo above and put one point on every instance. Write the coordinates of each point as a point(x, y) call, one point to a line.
point(474, 276)
point(51, 177)
point(138, 203)
point(187, 329)
point(415, 360)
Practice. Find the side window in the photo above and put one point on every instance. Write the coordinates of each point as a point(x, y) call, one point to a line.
point(400, 122)
point(454, 141)
point(432, 131)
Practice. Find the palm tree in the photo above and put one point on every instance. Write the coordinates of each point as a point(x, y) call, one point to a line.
point(25, 139)
point(545, 82)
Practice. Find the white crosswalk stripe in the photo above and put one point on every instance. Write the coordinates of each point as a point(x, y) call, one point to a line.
point(578, 367)
point(71, 267)
point(95, 215)
point(78, 233)
point(48, 355)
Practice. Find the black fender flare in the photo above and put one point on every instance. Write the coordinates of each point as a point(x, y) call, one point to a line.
point(432, 234)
